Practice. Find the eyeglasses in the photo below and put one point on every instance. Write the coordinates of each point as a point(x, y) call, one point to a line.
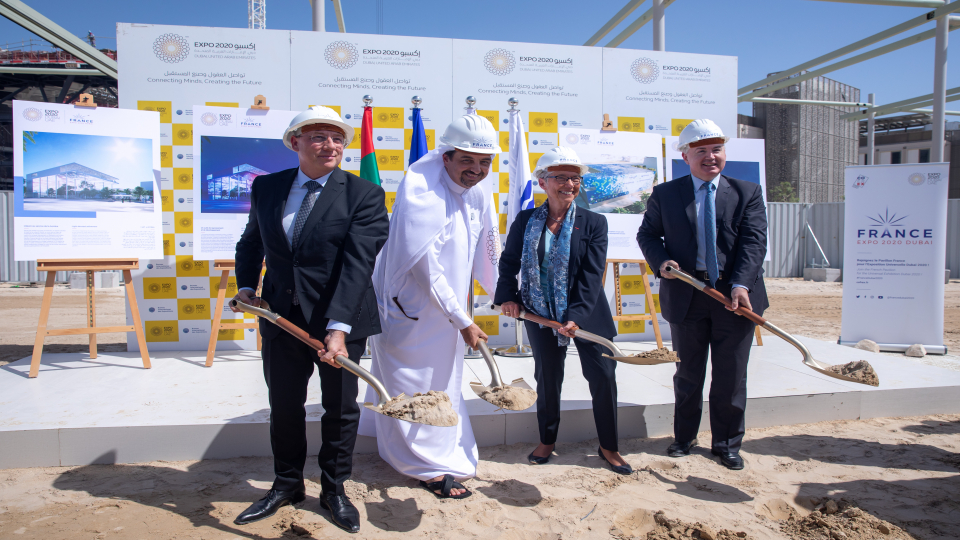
point(564, 179)
point(317, 138)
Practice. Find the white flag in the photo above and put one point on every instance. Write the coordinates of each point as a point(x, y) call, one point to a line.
point(520, 196)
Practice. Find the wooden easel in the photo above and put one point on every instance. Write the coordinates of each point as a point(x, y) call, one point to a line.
point(651, 306)
point(51, 267)
point(225, 265)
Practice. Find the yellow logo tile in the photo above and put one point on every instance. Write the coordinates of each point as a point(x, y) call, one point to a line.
point(222, 104)
point(390, 160)
point(504, 182)
point(503, 223)
point(187, 267)
point(431, 138)
point(505, 143)
point(656, 304)
point(161, 330)
point(492, 116)
point(478, 289)
point(193, 309)
point(543, 122)
point(183, 222)
point(388, 117)
point(631, 327)
point(230, 334)
point(631, 285)
point(183, 134)
point(391, 198)
point(183, 178)
point(490, 324)
point(533, 160)
point(355, 143)
point(631, 123)
point(231, 287)
point(159, 288)
point(166, 156)
point(538, 198)
point(169, 244)
point(677, 125)
point(165, 108)
point(166, 200)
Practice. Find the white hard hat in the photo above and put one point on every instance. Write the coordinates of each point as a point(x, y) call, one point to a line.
point(699, 130)
point(472, 133)
point(318, 114)
point(559, 155)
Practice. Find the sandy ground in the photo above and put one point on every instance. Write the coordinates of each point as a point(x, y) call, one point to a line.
point(883, 478)
point(901, 471)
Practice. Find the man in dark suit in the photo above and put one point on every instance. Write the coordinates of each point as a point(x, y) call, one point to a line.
point(320, 229)
point(715, 228)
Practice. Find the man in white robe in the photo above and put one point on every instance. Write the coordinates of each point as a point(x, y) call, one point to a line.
point(444, 228)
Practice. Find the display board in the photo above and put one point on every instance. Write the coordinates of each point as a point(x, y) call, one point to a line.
point(895, 233)
point(85, 182)
point(172, 69)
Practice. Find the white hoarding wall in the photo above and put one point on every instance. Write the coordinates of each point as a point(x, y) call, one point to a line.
point(895, 232)
point(171, 69)
point(85, 182)
point(231, 149)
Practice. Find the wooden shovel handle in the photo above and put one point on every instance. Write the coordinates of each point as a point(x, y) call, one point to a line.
point(741, 310)
point(300, 334)
point(527, 316)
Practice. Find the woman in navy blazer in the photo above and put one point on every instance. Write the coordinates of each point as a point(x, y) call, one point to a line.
point(542, 242)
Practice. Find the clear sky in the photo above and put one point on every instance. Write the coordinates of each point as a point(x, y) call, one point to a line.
point(766, 35)
point(129, 160)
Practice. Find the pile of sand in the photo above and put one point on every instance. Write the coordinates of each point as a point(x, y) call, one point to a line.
point(433, 408)
point(840, 519)
point(508, 397)
point(671, 529)
point(662, 355)
point(860, 370)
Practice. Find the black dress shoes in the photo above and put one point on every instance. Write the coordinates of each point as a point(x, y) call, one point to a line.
point(343, 513)
point(730, 460)
point(537, 460)
point(680, 449)
point(619, 469)
point(269, 505)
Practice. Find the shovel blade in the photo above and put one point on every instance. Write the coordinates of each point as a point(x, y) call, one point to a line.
point(640, 361)
point(480, 389)
point(379, 410)
point(817, 367)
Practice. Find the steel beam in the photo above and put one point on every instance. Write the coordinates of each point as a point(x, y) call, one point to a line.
point(906, 42)
point(810, 102)
point(13, 94)
point(51, 71)
point(913, 107)
point(32, 20)
point(856, 46)
point(871, 131)
point(897, 105)
point(898, 3)
point(948, 113)
point(318, 15)
point(340, 24)
point(614, 21)
point(940, 88)
point(67, 83)
point(636, 25)
point(659, 27)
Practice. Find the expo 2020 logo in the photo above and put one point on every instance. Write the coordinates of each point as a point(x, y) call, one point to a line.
point(499, 61)
point(341, 54)
point(208, 119)
point(32, 114)
point(156, 331)
point(572, 138)
point(154, 288)
point(171, 48)
point(644, 70)
point(916, 179)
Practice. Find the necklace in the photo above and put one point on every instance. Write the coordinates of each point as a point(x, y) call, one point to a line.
point(556, 220)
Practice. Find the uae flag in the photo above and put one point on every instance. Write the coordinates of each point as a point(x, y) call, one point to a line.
point(368, 156)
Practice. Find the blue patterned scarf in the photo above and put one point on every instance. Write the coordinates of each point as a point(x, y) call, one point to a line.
point(530, 289)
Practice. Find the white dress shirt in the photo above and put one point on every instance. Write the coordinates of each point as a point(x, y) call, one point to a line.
point(294, 199)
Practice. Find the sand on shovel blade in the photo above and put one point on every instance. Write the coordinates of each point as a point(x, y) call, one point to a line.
point(861, 370)
point(663, 354)
point(432, 408)
point(510, 397)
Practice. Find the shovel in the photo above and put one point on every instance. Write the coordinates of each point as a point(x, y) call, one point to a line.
point(488, 393)
point(808, 359)
point(618, 355)
point(344, 362)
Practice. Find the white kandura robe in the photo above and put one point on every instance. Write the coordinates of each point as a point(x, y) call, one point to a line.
point(429, 274)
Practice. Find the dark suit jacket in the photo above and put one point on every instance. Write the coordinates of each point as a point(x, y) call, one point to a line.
point(669, 231)
point(586, 304)
point(331, 267)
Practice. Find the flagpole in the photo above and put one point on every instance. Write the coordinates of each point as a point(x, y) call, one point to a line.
point(518, 350)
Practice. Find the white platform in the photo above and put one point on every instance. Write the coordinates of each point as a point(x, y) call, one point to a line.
point(81, 411)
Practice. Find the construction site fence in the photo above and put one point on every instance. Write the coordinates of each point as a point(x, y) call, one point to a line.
point(791, 246)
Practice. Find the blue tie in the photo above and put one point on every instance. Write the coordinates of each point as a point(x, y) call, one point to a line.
point(710, 230)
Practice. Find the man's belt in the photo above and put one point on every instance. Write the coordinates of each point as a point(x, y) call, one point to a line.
point(702, 276)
